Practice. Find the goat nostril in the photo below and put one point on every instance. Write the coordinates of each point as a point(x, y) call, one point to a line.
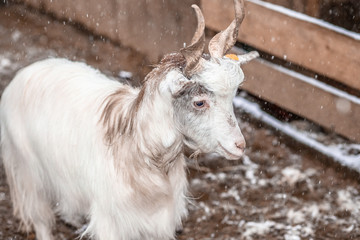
point(241, 145)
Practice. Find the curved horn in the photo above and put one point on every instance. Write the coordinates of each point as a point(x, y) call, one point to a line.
point(222, 42)
point(193, 52)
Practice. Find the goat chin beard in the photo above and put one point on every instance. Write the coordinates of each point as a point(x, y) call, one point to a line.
point(195, 154)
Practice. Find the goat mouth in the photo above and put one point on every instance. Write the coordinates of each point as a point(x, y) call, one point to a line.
point(228, 154)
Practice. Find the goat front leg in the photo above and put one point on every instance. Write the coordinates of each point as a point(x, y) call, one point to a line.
point(106, 225)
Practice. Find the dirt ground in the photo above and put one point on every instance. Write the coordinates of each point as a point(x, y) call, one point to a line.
point(278, 190)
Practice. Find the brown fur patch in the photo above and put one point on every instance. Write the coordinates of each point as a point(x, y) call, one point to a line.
point(169, 62)
point(231, 121)
point(142, 162)
point(118, 118)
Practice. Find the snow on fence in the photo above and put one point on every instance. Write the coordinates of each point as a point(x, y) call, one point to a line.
point(305, 41)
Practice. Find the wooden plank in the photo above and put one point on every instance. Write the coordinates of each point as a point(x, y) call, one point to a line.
point(308, 7)
point(153, 27)
point(304, 96)
point(305, 43)
point(312, 8)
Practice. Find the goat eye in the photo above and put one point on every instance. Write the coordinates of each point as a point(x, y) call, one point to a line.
point(199, 104)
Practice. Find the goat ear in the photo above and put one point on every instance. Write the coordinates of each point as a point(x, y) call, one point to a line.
point(178, 86)
point(244, 58)
point(247, 57)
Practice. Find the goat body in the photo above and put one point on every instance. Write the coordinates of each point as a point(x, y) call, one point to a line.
point(84, 147)
point(56, 158)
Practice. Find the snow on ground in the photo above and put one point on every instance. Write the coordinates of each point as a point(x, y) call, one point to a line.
point(125, 74)
point(4, 63)
point(7, 63)
point(244, 201)
point(270, 195)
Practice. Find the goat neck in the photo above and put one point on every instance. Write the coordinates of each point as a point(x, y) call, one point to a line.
point(143, 118)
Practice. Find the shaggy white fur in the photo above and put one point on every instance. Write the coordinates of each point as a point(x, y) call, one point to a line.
point(88, 148)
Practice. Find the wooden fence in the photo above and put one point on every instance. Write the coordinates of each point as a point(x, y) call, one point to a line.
point(156, 27)
point(305, 41)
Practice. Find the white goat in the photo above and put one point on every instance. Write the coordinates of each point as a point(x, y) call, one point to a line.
point(86, 148)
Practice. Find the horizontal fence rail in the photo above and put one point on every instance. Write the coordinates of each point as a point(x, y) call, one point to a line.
point(305, 41)
point(323, 104)
point(314, 44)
